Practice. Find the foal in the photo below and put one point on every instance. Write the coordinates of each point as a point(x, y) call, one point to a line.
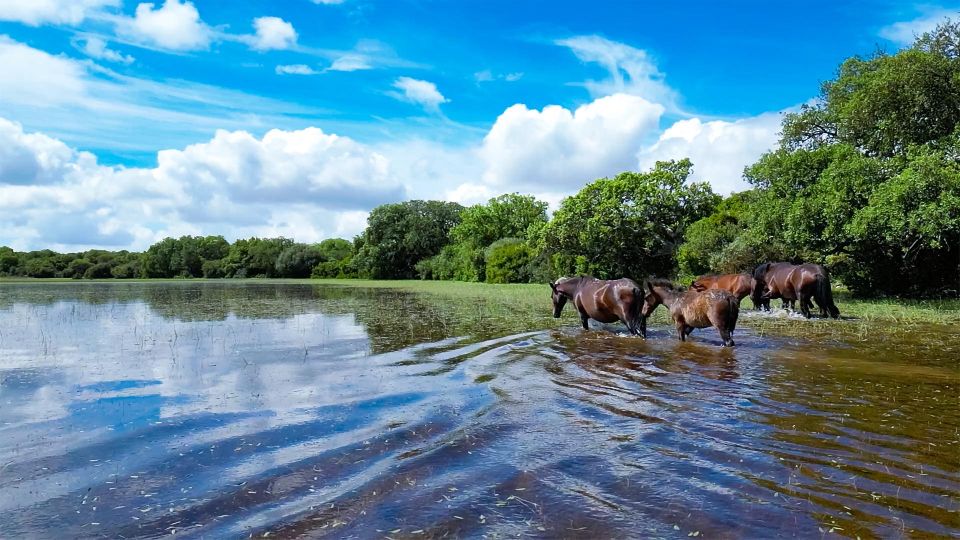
point(694, 309)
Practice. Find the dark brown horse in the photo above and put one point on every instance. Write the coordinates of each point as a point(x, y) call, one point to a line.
point(795, 283)
point(694, 309)
point(741, 285)
point(605, 301)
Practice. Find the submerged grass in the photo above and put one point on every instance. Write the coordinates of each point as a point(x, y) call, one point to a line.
point(481, 308)
point(861, 319)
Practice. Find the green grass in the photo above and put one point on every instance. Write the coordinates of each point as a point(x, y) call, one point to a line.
point(862, 319)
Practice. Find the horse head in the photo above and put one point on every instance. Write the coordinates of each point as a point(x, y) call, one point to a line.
point(653, 298)
point(559, 300)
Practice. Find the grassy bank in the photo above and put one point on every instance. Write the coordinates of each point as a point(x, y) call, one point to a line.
point(861, 319)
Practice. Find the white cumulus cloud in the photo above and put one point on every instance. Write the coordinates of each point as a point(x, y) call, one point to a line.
point(174, 26)
point(418, 92)
point(718, 149)
point(559, 148)
point(305, 184)
point(37, 12)
point(273, 33)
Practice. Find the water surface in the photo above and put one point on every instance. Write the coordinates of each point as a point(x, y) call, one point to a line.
point(231, 409)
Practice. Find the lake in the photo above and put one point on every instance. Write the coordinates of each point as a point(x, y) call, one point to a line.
point(224, 409)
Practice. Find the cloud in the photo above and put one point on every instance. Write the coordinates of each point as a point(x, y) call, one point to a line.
point(488, 76)
point(631, 70)
point(273, 33)
point(37, 12)
point(42, 79)
point(905, 32)
point(173, 26)
point(367, 54)
point(96, 47)
point(305, 184)
point(719, 150)
point(92, 107)
point(295, 69)
point(559, 148)
point(423, 93)
point(351, 62)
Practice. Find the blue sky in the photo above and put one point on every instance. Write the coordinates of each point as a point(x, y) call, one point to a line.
point(126, 122)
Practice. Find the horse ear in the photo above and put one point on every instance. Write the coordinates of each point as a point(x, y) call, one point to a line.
point(650, 286)
point(553, 286)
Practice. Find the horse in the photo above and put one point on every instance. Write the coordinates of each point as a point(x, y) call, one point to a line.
point(795, 282)
point(605, 301)
point(694, 309)
point(741, 285)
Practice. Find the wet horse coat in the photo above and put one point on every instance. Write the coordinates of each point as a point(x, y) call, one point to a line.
point(741, 285)
point(692, 309)
point(606, 301)
point(795, 282)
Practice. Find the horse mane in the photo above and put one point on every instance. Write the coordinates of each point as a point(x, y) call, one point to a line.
point(660, 282)
point(760, 271)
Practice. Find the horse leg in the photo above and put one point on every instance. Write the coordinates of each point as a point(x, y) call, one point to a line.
point(805, 305)
point(583, 320)
point(725, 336)
point(681, 330)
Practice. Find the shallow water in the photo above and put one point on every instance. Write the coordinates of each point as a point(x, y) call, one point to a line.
point(223, 410)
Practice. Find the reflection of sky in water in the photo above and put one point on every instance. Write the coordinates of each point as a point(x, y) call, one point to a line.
point(143, 415)
point(127, 352)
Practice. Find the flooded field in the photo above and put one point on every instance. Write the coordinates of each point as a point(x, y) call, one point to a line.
point(287, 410)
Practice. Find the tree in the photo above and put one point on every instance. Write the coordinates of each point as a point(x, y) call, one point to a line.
point(401, 234)
point(908, 233)
point(702, 251)
point(884, 104)
point(9, 260)
point(508, 261)
point(297, 260)
point(506, 216)
point(628, 226)
point(864, 180)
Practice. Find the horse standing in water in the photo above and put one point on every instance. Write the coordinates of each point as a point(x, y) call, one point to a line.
point(795, 282)
point(741, 285)
point(694, 309)
point(605, 301)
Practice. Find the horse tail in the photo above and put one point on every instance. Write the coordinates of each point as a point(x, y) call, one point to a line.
point(824, 295)
point(733, 313)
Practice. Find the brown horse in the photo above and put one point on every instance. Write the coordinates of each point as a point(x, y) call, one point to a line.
point(741, 285)
point(795, 283)
point(605, 301)
point(694, 309)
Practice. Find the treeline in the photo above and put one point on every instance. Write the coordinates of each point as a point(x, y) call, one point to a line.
point(866, 181)
point(190, 257)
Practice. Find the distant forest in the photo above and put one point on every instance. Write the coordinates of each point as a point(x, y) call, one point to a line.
point(865, 180)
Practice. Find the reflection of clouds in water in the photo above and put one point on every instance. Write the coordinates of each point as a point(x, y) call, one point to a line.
point(56, 358)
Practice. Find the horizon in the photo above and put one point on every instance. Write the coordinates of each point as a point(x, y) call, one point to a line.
point(129, 122)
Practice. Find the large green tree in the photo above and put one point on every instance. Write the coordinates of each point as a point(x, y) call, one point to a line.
point(627, 226)
point(401, 234)
point(507, 216)
point(864, 179)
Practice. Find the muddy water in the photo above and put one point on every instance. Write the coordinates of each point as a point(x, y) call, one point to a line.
point(224, 410)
